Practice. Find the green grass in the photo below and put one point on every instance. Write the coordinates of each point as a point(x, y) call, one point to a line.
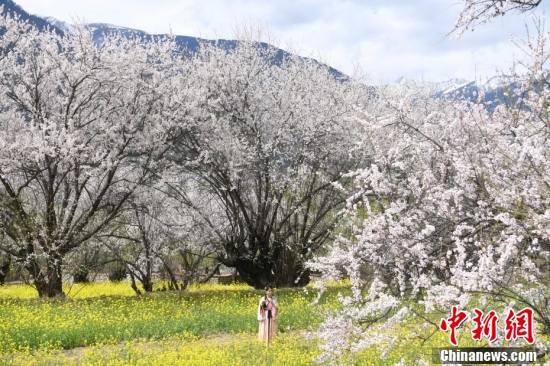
point(67, 323)
point(206, 325)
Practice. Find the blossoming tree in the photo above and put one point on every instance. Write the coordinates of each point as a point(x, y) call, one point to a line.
point(270, 140)
point(454, 206)
point(80, 127)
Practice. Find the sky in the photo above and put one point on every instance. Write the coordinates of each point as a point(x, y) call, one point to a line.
point(386, 39)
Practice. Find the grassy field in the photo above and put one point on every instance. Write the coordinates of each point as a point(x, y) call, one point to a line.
point(106, 324)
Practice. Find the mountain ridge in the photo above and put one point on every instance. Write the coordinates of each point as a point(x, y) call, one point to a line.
point(493, 88)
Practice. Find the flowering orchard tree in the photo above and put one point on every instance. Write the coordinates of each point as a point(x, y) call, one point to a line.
point(80, 127)
point(137, 239)
point(157, 233)
point(455, 204)
point(486, 11)
point(271, 139)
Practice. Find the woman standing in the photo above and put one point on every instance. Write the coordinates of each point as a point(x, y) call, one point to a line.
point(268, 309)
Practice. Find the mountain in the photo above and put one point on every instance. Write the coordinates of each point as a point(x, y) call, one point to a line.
point(14, 9)
point(190, 44)
point(494, 88)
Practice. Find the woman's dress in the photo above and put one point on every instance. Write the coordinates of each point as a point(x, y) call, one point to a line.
point(268, 326)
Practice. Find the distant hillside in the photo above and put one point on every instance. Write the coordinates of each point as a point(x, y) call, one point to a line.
point(493, 88)
point(99, 29)
point(191, 44)
point(13, 8)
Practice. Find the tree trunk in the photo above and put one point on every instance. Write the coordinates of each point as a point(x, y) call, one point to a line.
point(118, 274)
point(133, 284)
point(144, 278)
point(173, 284)
point(215, 270)
point(4, 269)
point(147, 284)
point(81, 276)
point(49, 284)
point(279, 268)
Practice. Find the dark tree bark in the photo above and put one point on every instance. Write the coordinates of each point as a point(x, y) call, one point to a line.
point(258, 276)
point(214, 271)
point(4, 269)
point(279, 266)
point(174, 284)
point(48, 283)
point(81, 276)
point(118, 274)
